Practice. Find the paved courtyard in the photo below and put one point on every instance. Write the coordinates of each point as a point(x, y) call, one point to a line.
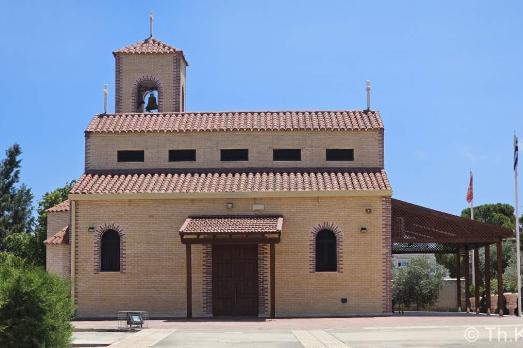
point(436, 330)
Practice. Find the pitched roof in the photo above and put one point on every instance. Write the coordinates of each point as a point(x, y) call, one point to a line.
point(232, 224)
point(147, 46)
point(60, 207)
point(238, 180)
point(61, 237)
point(343, 120)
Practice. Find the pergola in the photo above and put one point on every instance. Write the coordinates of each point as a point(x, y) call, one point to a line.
point(420, 230)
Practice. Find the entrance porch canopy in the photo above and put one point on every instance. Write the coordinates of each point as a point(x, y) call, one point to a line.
point(232, 229)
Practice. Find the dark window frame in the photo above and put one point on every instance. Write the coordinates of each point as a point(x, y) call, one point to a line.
point(110, 251)
point(326, 251)
point(339, 155)
point(126, 156)
point(185, 155)
point(286, 155)
point(234, 155)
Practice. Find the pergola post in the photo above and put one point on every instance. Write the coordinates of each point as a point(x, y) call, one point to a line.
point(458, 280)
point(476, 278)
point(188, 264)
point(467, 280)
point(499, 247)
point(273, 279)
point(487, 276)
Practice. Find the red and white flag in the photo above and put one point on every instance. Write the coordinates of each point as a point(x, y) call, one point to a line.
point(470, 190)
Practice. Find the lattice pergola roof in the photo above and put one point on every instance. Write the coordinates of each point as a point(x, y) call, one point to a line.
point(416, 229)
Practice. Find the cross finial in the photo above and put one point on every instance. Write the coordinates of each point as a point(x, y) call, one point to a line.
point(367, 83)
point(106, 95)
point(151, 22)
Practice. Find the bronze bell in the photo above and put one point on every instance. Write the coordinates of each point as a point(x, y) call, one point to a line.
point(151, 103)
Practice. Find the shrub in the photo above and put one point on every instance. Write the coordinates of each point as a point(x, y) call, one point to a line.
point(418, 283)
point(35, 307)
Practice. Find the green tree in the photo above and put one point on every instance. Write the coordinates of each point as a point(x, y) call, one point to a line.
point(35, 306)
point(48, 200)
point(15, 199)
point(22, 245)
point(418, 283)
point(497, 214)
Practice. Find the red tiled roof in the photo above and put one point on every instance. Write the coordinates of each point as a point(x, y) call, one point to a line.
point(232, 224)
point(215, 181)
point(64, 206)
point(147, 46)
point(61, 237)
point(236, 121)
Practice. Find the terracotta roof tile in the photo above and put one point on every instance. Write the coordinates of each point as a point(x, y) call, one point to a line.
point(147, 46)
point(61, 237)
point(64, 206)
point(232, 224)
point(248, 180)
point(236, 121)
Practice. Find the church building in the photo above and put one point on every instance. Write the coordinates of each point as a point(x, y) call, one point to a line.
point(210, 214)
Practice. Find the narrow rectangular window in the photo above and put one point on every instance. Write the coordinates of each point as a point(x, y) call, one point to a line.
point(339, 154)
point(182, 155)
point(286, 155)
point(234, 155)
point(130, 156)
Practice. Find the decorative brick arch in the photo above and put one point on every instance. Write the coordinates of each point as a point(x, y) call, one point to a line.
point(339, 245)
point(150, 81)
point(98, 237)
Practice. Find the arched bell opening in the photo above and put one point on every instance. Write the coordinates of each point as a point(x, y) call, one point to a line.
point(148, 94)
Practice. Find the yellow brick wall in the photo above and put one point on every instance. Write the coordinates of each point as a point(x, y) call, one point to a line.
point(56, 221)
point(101, 150)
point(58, 260)
point(57, 256)
point(154, 277)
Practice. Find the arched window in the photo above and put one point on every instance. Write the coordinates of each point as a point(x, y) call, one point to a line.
point(110, 252)
point(326, 251)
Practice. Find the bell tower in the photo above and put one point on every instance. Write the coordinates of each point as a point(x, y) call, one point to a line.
point(150, 77)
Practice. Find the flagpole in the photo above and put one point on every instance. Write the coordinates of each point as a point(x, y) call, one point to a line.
point(471, 252)
point(516, 205)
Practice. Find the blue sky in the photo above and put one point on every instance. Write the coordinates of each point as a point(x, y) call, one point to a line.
point(447, 78)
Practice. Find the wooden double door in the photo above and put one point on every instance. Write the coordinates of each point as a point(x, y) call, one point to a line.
point(235, 280)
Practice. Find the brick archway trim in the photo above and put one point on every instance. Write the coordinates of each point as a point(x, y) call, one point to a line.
point(98, 237)
point(339, 245)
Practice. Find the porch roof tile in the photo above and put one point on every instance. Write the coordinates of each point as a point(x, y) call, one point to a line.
point(232, 224)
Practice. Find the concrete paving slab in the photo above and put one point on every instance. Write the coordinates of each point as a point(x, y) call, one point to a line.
point(97, 339)
point(307, 339)
point(328, 340)
point(143, 339)
point(229, 338)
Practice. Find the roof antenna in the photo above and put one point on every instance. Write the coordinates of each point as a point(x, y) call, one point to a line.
point(367, 83)
point(151, 22)
point(106, 95)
